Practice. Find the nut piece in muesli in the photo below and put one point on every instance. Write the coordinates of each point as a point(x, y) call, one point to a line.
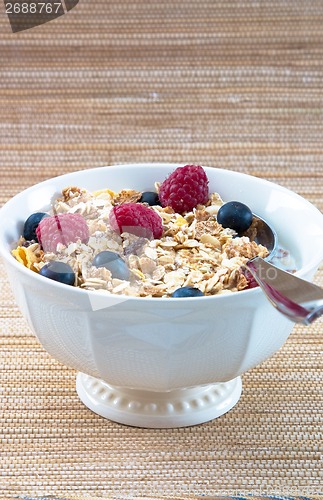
point(121, 244)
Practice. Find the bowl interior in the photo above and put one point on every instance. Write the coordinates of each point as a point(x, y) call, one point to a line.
point(298, 223)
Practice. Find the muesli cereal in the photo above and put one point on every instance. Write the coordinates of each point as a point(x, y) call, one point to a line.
point(120, 244)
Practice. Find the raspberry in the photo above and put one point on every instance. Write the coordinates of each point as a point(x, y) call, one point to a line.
point(184, 189)
point(136, 219)
point(61, 228)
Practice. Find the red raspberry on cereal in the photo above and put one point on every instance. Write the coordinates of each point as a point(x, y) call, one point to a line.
point(137, 219)
point(61, 228)
point(184, 189)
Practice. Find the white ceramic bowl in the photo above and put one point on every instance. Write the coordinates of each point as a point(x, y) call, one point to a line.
point(160, 362)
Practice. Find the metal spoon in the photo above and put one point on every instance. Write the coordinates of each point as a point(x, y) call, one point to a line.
point(299, 300)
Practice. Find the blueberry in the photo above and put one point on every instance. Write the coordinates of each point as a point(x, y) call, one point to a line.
point(187, 291)
point(235, 215)
point(58, 271)
point(113, 262)
point(31, 224)
point(150, 197)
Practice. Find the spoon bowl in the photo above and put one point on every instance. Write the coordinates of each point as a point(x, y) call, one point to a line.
point(265, 235)
point(297, 299)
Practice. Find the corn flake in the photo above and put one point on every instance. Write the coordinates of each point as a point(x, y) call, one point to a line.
point(28, 256)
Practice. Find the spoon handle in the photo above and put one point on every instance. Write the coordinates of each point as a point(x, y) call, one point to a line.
point(298, 299)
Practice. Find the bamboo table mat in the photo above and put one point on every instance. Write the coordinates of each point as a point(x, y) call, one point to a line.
point(237, 85)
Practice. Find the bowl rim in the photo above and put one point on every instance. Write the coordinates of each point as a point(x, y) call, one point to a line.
point(125, 166)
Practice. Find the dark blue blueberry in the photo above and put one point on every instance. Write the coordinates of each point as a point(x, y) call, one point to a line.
point(235, 215)
point(58, 271)
point(114, 263)
point(187, 291)
point(150, 197)
point(31, 224)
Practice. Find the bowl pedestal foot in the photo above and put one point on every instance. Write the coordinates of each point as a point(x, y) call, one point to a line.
point(149, 409)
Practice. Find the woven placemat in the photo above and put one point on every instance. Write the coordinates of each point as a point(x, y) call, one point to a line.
point(236, 85)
